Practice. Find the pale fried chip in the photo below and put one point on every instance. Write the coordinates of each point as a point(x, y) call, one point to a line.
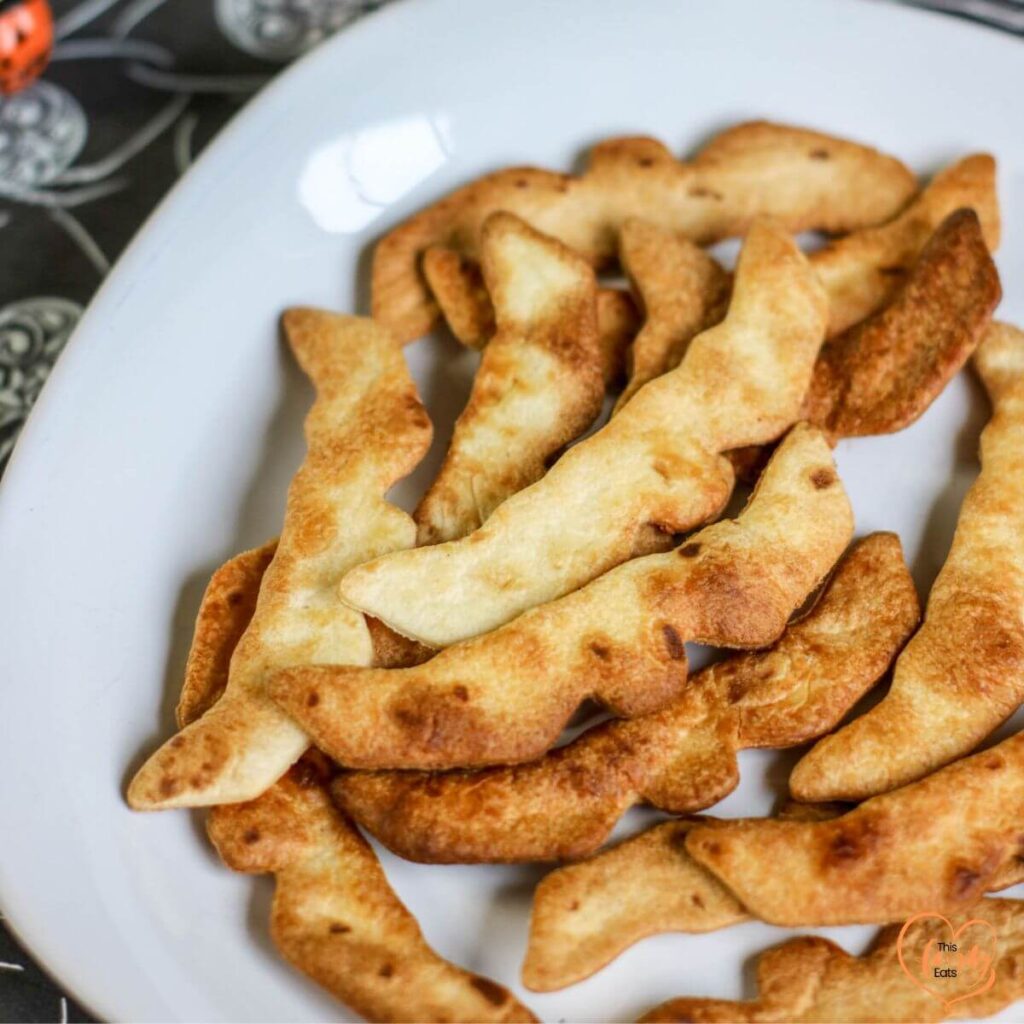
point(336, 918)
point(802, 178)
point(934, 845)
point(586, 914)
point(656, 462)
point(810, 979)
point(862, 271)
point(963, 673)
point(367, 429)
point(683, 291)
point(505, 696)
point(538, 387)
point(683, 758)
point(881, 375)
point(224, 614)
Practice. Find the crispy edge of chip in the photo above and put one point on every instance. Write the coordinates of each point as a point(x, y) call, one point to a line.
point(963, 673)
point(334, 915)
point(934, 845)
point(802, 178)
point(225, 612)
point(812, 979)
point(504, 697)
point(366, 429)
point(682, 758)
point(649, 464)
point(538, 387)
point(682, 291)
point(863, 270)
point(882, 374)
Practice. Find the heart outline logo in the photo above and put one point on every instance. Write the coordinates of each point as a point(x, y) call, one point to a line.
point(954, 933)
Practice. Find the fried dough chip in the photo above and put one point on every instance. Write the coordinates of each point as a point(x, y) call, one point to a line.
point(538, 387)
point(812, 979)
point(586, 914)
point(803, 179)
point(682, 758)
point(881, 375)
point(682, 289)
point(458, 286)
point(936, 845)
point(963, 673)
point(366, 429)
point(656, 462)
point(505, 696)
point(863, 270)
point(336, 918)
point(224, 614)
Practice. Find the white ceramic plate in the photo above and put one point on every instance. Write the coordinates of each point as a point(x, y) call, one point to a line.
point(168, 433)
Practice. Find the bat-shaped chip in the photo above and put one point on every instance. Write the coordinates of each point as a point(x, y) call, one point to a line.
point(539, 384)
point(803, 179)
point(810, 979)
point(681, 759)
point(505, 696)
point(334, 915)
point(963, 673)
point(336, 918)
point(366, 430)
point(935, 845)
point(586, 914)
point(740, 383)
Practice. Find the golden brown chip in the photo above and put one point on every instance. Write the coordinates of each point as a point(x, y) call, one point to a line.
point(457, 285)
point(618, 321)
point(683, 758)
point(505, 696)
point(811, 979)
point(740, 383)
point(586, 914)
point(682, 289)
point(367, 429)
point(334, 915)
point(963, 673)
point(224, 614)
point(803, 179)
point(881, 375)
point(538, 387)
point(863, 270)
point(934, 845)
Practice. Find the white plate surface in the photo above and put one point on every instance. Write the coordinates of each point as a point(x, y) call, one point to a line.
point(168, 433)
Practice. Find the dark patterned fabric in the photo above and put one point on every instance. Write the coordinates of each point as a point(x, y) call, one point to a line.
point(135, 90)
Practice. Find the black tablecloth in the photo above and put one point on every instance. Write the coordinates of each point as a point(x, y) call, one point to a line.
point(135, 90)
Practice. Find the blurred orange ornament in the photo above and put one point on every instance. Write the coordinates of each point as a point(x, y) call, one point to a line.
point(26, 40)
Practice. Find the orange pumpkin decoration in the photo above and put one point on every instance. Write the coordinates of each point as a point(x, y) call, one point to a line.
point(26, 41)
